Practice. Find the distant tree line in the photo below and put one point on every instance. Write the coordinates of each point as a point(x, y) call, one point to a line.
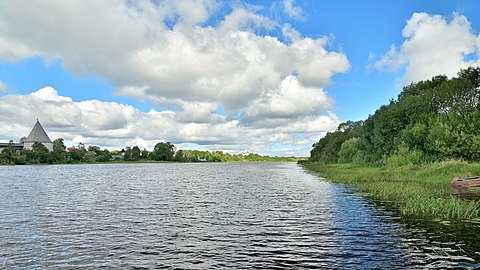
point(163, 151)
point(432, 120)
point(220, 156)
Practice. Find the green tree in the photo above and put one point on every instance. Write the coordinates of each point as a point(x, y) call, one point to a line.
point(94, 149)
point(163, 151)
point(77, 154)
point(59, 151)
point(326, 150)
point(430, 120)
point(145, 154)
point(128, 154)
point(103, 155)
point(136, 153)
point(349, 151)
point(180, 156)
point(457, 97)
point(8, 154)
point(40, 154)
point(471, 74)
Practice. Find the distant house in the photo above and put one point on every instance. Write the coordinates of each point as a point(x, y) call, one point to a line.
point(118, 155)
point(39, 135)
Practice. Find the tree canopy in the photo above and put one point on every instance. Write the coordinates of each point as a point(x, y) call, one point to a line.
point(430, 120)
point(163, 151)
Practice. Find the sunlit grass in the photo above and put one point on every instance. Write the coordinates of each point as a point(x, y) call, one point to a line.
point(421, 191)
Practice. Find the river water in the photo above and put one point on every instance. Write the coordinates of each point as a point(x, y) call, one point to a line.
point(208, 216)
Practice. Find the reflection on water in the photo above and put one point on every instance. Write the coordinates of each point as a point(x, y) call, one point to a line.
point(204, 216)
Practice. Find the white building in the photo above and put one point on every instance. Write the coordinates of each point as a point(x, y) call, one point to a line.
point(39, 135)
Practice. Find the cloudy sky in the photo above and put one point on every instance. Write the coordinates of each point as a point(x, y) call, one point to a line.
point(269, 77)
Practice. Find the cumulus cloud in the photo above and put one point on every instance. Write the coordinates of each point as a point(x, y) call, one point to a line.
point(114, 125)
point(433, 46)
point(170, 54)
point(134, 47)
point(199, 113)
point(290, 100)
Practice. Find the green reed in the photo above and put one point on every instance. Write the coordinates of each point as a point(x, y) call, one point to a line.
point(414, 191)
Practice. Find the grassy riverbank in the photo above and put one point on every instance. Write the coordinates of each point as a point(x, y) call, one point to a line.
point(414, 191)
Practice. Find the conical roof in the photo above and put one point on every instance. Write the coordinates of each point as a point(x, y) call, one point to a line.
point(38, 134)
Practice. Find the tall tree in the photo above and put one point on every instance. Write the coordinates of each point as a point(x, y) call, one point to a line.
point(128, 154)
point(136, 153)
point(59, 151)
point(163, 151)
point(145, 154)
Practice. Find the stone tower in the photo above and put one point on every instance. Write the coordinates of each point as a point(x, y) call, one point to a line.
point(39, 135)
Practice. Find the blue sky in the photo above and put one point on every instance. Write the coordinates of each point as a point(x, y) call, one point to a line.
point(270, 77)
point(362, 28)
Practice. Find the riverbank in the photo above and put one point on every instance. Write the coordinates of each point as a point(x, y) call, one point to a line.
point(414, 191)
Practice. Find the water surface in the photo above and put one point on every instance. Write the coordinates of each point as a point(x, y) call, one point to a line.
point(207, 216)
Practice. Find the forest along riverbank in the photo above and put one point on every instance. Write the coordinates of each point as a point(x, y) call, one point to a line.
point(418, 192)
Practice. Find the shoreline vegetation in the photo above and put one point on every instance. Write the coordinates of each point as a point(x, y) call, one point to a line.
point(413, 191)
point(162, 152)
point(406, 154)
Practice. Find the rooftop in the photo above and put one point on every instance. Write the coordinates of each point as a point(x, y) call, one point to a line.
point(38, 134)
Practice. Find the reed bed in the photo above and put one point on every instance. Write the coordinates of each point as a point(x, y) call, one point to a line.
point(414, 191)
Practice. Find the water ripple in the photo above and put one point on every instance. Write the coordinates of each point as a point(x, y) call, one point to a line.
point(204, 216)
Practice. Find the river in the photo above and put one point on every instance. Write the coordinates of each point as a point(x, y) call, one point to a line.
point(208, 216)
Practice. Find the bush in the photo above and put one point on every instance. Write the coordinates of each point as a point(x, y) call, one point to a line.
point(403, 156)
point(348, 151)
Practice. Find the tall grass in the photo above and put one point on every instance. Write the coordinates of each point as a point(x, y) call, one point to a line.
point(417, 191)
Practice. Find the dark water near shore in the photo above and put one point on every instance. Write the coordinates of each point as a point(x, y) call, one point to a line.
point(207, 216)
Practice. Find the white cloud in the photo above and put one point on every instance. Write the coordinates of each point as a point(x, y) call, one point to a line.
point(313, 124)
point(134, 48)
point(190, 12)
point(3, 87)
point(199, 113)
point(243, 19)
point(290, 100)
point(12, 51)
point(293, 11)
point(114, 125)
point(289, 33)
point(167, 53)
point(433, 46)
